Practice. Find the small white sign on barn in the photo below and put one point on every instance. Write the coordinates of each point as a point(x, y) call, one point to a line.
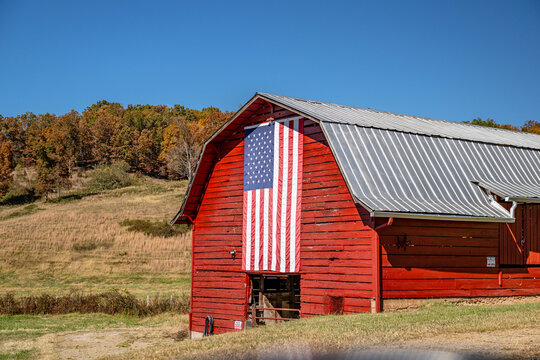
point(237, 325)
point(490, 261)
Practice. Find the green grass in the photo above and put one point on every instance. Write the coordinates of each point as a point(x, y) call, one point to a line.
point(18, 355)
point(27, 327)
point(331, 333)
point(155, 228)
point(27, 210)
point(22, 327)
point(140, 285)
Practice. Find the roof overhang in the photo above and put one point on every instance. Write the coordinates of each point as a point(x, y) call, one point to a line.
point(446, 217)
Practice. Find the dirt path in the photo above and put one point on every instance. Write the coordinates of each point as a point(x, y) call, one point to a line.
point(93, 344)
point(522, 343)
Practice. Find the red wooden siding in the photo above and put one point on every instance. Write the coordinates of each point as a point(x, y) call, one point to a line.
point(511, 251)
point(532, 234)
point(219, 288)
point(426, 258)
point(527, 229)
point(336, 239)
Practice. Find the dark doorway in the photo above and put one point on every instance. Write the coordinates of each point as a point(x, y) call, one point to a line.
point(273, 298)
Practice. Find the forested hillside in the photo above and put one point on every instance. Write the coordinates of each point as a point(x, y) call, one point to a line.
point(154, 140)
point(158, 141)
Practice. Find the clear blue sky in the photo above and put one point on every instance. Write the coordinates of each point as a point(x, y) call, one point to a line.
point(452, 60)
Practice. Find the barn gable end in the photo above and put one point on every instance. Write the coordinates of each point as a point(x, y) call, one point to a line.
point(335, 237)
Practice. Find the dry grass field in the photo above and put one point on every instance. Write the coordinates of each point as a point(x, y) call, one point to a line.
point(78, 244)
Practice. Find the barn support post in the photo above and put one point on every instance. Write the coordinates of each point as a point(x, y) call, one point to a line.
point(377, 263)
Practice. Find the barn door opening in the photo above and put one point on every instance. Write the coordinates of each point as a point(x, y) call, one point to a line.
point(274, 298)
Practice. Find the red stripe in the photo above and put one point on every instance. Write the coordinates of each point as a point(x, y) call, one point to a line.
point(290, 128)
point(261, 228)
point(253, 229)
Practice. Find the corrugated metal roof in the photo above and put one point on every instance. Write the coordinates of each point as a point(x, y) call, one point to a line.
point(407, 166)
point(514, 191)
point(328, 112)
point(397, 172)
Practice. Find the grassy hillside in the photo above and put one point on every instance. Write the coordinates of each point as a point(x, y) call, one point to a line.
point(84, 243)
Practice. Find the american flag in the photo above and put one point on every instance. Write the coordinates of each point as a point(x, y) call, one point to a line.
point(272, 196)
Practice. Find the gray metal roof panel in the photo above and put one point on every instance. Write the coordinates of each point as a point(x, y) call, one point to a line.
point(406, 123)
point(392, 171)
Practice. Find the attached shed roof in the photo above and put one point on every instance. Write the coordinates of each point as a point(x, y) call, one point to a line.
point(513, 191)
point(407, 166)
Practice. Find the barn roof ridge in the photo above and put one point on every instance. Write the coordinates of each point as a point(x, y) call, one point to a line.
point(425, 126)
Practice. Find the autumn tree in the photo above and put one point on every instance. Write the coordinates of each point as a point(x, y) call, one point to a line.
point(6, 164)
point(531, 126)
point(105, 123)
point(56, 153)
point(491, 123)
point(210, 120)
point(182, 144)
point(13, 131)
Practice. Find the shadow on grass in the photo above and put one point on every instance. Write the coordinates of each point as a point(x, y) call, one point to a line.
point(19, 199)
point(71, 197)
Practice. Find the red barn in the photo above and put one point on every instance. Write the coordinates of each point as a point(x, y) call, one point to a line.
point(303, 208)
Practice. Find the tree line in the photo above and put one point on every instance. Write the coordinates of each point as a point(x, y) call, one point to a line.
point(530, 126)
point(154, 140)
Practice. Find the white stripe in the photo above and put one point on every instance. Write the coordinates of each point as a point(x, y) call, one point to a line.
point(257, 228)
point(274, 196)
point(265, 229)
point(294, 188)
point(284, 197)
point(248, 232)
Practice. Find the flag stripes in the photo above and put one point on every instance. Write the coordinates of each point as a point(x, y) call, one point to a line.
point(273, 155)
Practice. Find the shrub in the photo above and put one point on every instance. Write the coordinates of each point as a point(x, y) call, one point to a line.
point(90, 245)
point(111, 302)
point(109, 177)
point(27, 210)
point(21, 190)
point(155, 228)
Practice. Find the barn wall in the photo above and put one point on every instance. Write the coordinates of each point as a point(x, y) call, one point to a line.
point(336, 240)
point(218, 285)
point(427, 258)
